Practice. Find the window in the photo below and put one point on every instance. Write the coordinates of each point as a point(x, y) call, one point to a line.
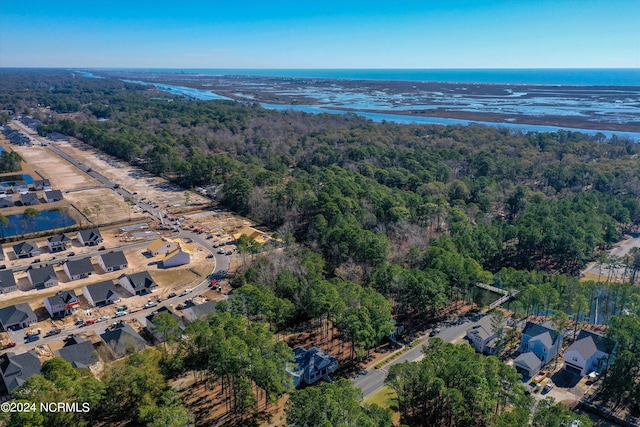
point(575, 359)
point(544, 350)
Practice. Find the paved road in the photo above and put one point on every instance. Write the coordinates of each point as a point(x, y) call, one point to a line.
point(374, 379)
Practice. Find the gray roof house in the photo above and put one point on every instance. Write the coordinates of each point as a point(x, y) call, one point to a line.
point(138, 283)
point(7, 282)
point(79, 352)
point(41, 184)
point(17, 368)
point(20, 187)
point(61, 304)
point(78, 269)
point(6, 202)
point(59, 243)
point(100, 294)
point(527, 364)
point(482, 337)
point(198, 311)
point(42, 277)
point(57, 136)
point(590, 352)
point(17, 316)
point(151, 327)
point(26, 250)
point(90, 237)
point(123, 340)
point(29, 199)
point(542, 340)
point(51, 196)
point(311, 365)
point(113, 261)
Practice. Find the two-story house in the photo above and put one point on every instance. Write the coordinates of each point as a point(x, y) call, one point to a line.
point(589, 352)
point(17, 316)
point(61, 304)
point(482, 336)
point(100, 294)
point(309, 366)
point(59, 243)
point(538, 346)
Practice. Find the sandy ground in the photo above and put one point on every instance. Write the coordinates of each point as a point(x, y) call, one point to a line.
point(593, 271)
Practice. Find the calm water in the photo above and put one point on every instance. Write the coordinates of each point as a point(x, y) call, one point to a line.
point(45, 220)
point(9, 180)
point(555, 76)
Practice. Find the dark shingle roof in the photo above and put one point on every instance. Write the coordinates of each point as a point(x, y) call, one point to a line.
point(62, 297)
point(6, 279)
point(102, 290)
point(90, 235)
point(199, 311)
point(123, 340)
point(313, 359)
point(41, 275)
point(79, 352)
point(533, 330)
point(53, 194)
point(29, 198)
point(113, 259)
point(79, 266)
point(528, 359)
point(141, 280)
point(6, 202)
point(24, 248)
point(62, 238)
point(17, 313)
point(17, 368)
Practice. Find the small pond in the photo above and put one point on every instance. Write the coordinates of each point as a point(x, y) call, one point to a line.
point(45, 220)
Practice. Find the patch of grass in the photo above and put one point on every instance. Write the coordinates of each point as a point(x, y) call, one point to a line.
point(383, 397)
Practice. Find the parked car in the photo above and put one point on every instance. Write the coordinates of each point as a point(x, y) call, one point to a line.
point(52, 332)
point(434, 332)
point(150, 304)
point(548, 387)
point(186, 292)
point(89, 322)
point(9, 345)
point(102, 319)
point(172, 295)
point(121, 313)
point(31, 338)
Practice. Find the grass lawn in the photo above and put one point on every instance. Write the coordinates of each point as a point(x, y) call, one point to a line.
point(385, 397)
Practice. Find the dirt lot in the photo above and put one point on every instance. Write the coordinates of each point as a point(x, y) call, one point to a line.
point(133, 179)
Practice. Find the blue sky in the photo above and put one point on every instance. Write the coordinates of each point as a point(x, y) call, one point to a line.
point(321, 34)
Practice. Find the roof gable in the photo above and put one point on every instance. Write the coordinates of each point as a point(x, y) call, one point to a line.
point(113, 259)
point(79, 266)
point(42, 274)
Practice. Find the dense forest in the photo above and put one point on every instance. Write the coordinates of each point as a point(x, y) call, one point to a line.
point(380, 221)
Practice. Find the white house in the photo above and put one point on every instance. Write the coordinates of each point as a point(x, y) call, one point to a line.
point(113, 261)
point(588, 353)
point(161, 246)
point(175, 257)
point(90, 237)
point(100, 294)
point(78, 269)
point(61, 304)
point(43, 277)
point(59, 243)
point(7, 282)
point(138, 283)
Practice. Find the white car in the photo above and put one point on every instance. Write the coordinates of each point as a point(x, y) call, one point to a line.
point(186, 291)
point(121, 313)
point(150, 304)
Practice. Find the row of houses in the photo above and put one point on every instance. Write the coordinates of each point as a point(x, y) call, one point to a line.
point(15, 137)
point(46, 277)
point(22, 187)
point(31, 199)
point(541, 343)
point(63, 303)
point(56, 243)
